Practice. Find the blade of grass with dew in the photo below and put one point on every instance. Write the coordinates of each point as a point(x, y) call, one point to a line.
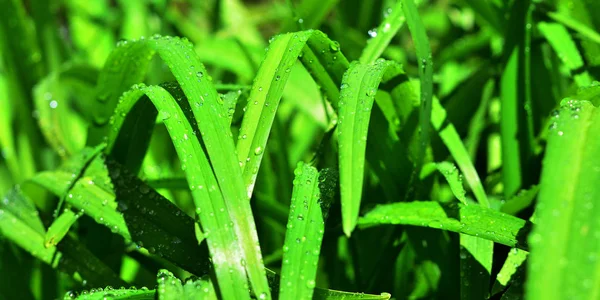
point(425, 62)
point(312, 195)
point(468, 219)
point(514, 260)
point(110, 293)
point(170, 288)
point(324, 60)
point(391, 24)
point(357, 95)
point(203, 98)
point(566, 214)
point(211, 208)
point(459, 152)
point(559, 38)
point(267, 90)
point(339, 295)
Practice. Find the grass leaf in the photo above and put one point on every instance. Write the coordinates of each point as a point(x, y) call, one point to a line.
point(566, 218)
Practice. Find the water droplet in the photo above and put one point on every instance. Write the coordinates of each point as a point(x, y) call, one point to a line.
point(258, 150)
point(372, 33)
point(53, 104)
point(164, 115)
point(310, 284)
point(199, 74)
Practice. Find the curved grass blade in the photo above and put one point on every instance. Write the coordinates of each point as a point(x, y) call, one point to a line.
point(468, 219)
point(425, 61)
point(391, 24)
point(565, 48)
point(113, 294)
point(358, 91)
point(567, 224)
point(306, 225)
point(206, 106)
point(214, 213)
point(323, 59)
point(170, 288)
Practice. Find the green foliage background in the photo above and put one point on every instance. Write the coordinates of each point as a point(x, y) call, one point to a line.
point(298, 149)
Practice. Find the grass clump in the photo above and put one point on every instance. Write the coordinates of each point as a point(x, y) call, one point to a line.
point(299, 149)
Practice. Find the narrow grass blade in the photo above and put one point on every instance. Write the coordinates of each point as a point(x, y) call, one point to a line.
point(468, 219)
point(451, 139)
point(323, 59)
point(208, 199)
point(112, 293)
point(60, 227)
point(425, 61)
point(520, 201)
point(306, 225)
point(516, 125)
point(391, 24)
point(171, 288)
point(566, 49)
point(358, 92)
point(566, 215)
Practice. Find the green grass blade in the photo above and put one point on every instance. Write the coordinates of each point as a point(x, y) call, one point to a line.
point(113, 294)
point(451, 139)
point(516, 125)
point(391, 24)
point(566, 215)
point(425, 62)
point(520, 201)
point(59, 228)
point(468, 219)
point(306, 225)
point(452, 175)
point(171, 288)
point(208, 199)
point(514, 261)
point(357, 95)
point(566, 49)
point(263, 102)
point(322, 58)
